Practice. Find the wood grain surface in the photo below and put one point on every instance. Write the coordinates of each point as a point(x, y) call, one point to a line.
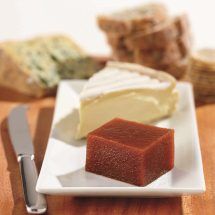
point(40, 116)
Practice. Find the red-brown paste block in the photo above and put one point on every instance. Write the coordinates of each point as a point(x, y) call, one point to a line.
point(130, 152)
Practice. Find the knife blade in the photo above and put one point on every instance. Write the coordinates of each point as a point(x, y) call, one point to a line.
point(23, 147)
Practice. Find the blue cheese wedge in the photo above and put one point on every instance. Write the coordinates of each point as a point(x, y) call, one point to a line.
point(127, 91)
point(36, 66)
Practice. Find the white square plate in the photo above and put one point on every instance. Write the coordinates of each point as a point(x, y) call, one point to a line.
point(63, 171)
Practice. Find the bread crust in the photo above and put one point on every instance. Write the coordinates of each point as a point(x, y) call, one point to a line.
point(157, 37)
point(164, 56)
point(130, 20)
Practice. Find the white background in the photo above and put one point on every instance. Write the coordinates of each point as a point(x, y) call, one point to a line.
point(26, 18)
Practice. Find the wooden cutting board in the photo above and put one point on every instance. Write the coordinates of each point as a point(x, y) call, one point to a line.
point(40, 116)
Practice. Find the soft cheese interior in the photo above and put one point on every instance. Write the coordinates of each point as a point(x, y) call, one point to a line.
point(127, 91)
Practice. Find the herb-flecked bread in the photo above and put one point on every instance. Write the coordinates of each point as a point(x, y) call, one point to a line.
point(35, 67)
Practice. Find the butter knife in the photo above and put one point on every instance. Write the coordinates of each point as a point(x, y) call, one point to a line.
point(23, 147)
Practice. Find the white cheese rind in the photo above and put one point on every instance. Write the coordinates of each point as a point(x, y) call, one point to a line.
point(127, 91)
point(114, 79)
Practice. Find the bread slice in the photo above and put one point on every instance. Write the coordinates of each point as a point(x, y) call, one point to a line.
point(34, 67)
point(177, 69)
point(173, 29)
point(157, 57)
point(182, 24)
point(123, 54)
point(157, 37)
point(115, 40)
point(133, 19)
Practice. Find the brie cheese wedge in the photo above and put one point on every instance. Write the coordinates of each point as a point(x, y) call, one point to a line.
point(127, 91)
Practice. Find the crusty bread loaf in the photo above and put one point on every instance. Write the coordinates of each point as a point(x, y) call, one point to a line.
point(182, 24)
point(134, 19)
point(123, 54)
point(202, 74)
point(147, 35)
point(157, 37)
point(157, 57)
point(35, 67)
point(172, 30)
point(177, 69)
point(115, 40)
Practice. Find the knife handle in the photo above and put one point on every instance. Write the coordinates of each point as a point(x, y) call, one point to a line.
point(35, 202)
